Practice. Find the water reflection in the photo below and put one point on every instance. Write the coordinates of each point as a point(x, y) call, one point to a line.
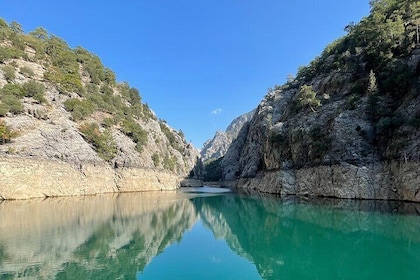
point(101, 237)
point(119, 236)
point(319, 239)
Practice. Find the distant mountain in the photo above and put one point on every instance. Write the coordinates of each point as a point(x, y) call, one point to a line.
point(217, 147)
point(68, 127)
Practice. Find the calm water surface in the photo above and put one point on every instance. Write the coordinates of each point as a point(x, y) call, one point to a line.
point(198, 234)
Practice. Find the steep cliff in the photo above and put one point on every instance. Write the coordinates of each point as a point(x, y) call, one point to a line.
point(217, 147)
point(67, 127)
point(347, 125)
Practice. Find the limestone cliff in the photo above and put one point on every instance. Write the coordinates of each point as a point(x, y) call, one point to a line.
point(68, 127)
point(217, 147)
point(346, 126)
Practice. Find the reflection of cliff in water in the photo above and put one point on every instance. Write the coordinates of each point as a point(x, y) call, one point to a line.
point(101, 237)
point(116, 236)
point(298, 240)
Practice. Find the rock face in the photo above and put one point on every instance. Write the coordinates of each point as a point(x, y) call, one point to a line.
point(218, 146)
point(80, 133)
point(367, 149)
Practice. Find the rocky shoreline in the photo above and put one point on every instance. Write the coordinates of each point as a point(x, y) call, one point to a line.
point(382, 181)
point(25, 178)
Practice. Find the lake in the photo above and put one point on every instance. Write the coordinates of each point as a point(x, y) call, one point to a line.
point(208, 233)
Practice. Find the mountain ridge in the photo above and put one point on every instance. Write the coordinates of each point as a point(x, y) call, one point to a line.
point(64, 116)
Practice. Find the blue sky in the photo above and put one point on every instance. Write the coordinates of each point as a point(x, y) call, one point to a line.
point(197, 63)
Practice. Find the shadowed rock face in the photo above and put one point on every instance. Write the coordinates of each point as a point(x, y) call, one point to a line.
point(340, 149)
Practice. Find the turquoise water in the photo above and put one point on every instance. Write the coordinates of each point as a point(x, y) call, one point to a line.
point(200, 234)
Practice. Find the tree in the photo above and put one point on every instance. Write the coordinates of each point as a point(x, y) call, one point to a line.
point(3, 24)
point(414, 24)
point(350, 27)
point(6, 133)
point(373, 86)
point(307, 97)
point(16, 27)
point(39, 33)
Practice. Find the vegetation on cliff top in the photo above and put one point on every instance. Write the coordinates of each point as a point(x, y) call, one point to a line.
point(92, 95)
point(371, 72)
point(373, 61)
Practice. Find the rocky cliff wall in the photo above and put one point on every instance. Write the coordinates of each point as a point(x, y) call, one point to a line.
point(218, 146)
point(22, 178)
point(353, 144)
point(96, 137)
point(394, 180)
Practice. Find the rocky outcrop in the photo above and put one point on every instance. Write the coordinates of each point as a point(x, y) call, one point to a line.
point(191, 183)
point(217, 147)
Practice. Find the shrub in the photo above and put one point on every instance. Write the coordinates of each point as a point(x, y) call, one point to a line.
point(9, 73)
point(32, 88)
point(12, 104)
point(103, 142)
point(169, 163)
point(135, 132)
point(6, 133)
point(26, 71)
point(79, 109)
point(320, 142)
point(35, 90)
point(7, 53)
point(170, 135)
point(3, 110)
point(108, 122)
point(156, 159)
point(13, 89)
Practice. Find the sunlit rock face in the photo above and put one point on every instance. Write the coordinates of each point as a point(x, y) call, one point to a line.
point(218, 146)
point(139, 153)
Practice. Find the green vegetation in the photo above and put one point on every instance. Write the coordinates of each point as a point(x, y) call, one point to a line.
point(382, 42)
point(133, 130)
point(170, 135)
point(90, 90)
point(27, 72)
point(156, 159)
point(306, 97)
point(6, 133)
point(319, 143)
point(80, 109)
point(10, 96)
point(9, 73)
point(213, 170)
point(35, 90)
point(102, 142)
point(169, 163)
